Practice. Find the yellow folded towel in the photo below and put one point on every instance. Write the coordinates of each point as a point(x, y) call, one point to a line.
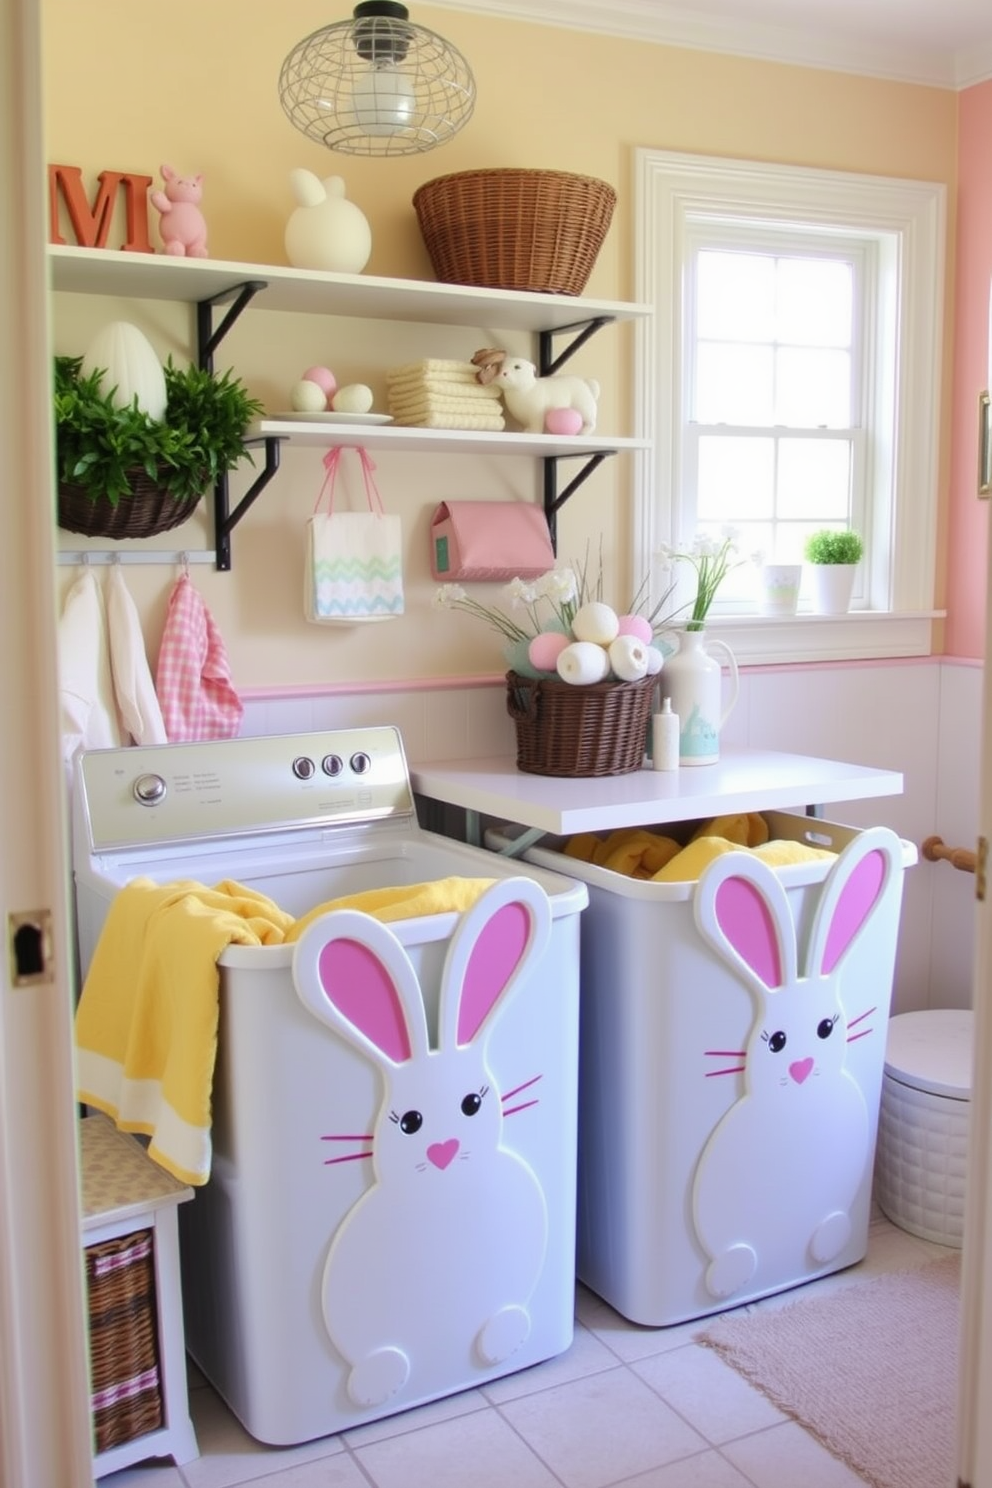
point(431, 402)
point(447, 368)
point(583, 846)
point(408, 902)
point(452, 421)
point(146, 1024)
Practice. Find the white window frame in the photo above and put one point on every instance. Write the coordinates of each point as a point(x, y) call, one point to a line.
point(673, 190)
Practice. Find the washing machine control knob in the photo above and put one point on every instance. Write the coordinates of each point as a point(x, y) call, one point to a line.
point(303, 767)
point(149, 790)
point(332, 764)
point(360, 763)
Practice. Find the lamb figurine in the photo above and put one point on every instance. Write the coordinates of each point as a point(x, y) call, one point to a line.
point(529, 398)
point(182, 224)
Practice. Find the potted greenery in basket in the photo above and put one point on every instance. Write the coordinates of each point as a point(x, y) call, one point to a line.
point(123, 473)
point(833, 555)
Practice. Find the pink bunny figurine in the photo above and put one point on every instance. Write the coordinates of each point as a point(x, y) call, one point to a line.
point(182, 224)
point(439, 1257)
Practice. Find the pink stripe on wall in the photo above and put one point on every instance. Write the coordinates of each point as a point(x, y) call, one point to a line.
point(968, 517)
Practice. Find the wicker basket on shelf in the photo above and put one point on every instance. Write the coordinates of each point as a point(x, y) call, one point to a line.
point(564, 729)
point(515, 229)
point(123, 1329)
point(148, 510)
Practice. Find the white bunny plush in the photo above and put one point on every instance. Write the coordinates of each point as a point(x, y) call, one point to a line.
point(529, 398)
point(780, 1171)
point(326, 231)
point(440, 1256)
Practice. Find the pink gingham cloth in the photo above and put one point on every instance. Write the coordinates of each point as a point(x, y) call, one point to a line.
point(193, 677)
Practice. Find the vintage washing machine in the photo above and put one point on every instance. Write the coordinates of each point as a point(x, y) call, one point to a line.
point(320, 1294)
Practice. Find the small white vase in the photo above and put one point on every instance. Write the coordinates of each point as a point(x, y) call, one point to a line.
point(692, 679)
point(832, 585)
point(780, 587)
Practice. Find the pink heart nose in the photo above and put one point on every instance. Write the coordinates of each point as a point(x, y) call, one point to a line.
point(441, 1153)
point(800, 1069)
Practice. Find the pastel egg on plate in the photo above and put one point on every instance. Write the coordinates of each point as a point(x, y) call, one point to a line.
point(355, 398)
point(306, 397)
point(324, 378)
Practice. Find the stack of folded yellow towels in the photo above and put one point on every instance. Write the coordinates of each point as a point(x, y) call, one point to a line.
point(639, 853)
point(442, 394)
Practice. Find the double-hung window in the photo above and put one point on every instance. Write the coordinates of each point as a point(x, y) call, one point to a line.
point(789, 379)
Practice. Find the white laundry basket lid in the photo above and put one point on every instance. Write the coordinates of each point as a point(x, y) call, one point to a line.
point(931, 1051)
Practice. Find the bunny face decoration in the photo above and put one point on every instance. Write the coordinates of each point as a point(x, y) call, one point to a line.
point(776, 1180)
point(441, 1254)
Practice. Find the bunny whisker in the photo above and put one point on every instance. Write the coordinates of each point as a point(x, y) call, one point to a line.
point(349, 1157)
point(524, 1106)
point(735, 1069)
point(517, 1089)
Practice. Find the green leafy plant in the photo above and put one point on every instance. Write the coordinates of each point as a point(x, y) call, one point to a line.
point(99, 446)
point(830, 546)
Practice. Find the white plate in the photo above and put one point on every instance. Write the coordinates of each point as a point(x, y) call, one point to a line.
point(329, 417)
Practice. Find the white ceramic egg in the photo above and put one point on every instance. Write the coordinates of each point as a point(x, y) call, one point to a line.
point(595, 622)
point(355, 398)
point(583, 662)
point(629, 658)
point(307, 397)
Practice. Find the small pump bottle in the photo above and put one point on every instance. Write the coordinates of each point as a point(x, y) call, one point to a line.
point(665, 738)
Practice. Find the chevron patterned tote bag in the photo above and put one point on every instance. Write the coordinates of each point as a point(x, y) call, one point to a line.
point(354, 567)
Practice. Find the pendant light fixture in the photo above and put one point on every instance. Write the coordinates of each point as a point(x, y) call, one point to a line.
point(377, 84)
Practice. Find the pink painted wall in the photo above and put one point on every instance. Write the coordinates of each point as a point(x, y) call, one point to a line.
point(967, 562)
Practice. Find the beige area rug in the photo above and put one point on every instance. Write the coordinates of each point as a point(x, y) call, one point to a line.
point(869, 1370)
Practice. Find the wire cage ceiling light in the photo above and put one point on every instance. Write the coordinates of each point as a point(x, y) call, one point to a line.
point(377, 84)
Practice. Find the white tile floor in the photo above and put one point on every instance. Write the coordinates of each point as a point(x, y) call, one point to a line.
point(641, 1407)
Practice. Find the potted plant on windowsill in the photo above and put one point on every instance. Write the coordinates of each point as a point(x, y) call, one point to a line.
point(833, 555)
point(123, 473)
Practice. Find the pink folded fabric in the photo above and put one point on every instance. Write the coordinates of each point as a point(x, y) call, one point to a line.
point(193, 677)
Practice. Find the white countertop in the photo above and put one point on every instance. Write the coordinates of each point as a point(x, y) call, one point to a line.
point(742, 780)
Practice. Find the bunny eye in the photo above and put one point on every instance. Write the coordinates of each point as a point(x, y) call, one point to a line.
point(411, 1122)
point(472, 1103)
point(825, 1027)
point(776, 1041)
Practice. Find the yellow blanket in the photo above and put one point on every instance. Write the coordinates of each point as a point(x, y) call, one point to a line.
point(639, 853)
point(146, 1024)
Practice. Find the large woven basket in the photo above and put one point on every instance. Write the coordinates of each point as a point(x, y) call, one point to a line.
point(515, 229)
point(565, 729)
point(149, 509)
point(123, 1329)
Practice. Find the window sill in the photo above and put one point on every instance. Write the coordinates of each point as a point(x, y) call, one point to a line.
point(861, 635)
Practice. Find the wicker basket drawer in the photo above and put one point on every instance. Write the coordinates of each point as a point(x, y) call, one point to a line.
point(126, 1378)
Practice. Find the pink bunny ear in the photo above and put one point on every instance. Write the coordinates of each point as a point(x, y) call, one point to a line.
point(352, 973)
point(356, 983)
point(850, 896)
point(742, 910)
point(505, 931)
point(749, 926)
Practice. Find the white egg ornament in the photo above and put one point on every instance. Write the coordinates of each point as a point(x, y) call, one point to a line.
point(596, 622)
point(355, 398)
point(307, 397)
point(583, 662)
point(656, 660)
point(130, 368)
point(629, 658)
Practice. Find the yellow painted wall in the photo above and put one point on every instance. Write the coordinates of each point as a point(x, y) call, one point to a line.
point(194, 85)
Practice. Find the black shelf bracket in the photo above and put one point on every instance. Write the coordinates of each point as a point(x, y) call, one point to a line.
point(580, 332)
point(553, 498)
point(548, 364)
point(208, 338)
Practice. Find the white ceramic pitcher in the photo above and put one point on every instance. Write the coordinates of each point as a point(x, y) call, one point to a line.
point(692, 679)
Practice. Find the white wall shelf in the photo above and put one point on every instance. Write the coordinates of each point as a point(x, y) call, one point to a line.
point(211, 284)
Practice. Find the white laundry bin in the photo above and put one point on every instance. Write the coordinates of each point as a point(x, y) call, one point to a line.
point(922, 1157)
point(704, 1184)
